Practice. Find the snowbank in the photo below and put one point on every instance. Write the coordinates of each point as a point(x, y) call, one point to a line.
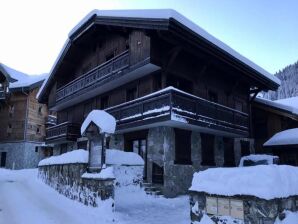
point(264, 181)
point(118, 157)
point(287, 137)
point(107, 173)
point(105, 122)
point(269, 159)
point(113, 157)
point(291, 218)
point(76, 156)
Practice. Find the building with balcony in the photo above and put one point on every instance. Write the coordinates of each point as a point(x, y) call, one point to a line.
point(181, 98)
point(22, 119)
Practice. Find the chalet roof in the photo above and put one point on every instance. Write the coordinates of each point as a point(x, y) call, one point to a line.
point(18, 80)
point(161, 19)
point(286, 105)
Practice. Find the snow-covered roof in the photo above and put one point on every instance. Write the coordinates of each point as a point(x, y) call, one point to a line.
point(105, 122)
point(264, 181)
point(290, 102)
point(258, 157)
point(287, 137)
point(19, 79)
point(118, 157)
point(162, 14)
point(284, 104)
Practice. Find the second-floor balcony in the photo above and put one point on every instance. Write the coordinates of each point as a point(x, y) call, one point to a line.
point(115, 72)
point(64, 132)
point(172, 107)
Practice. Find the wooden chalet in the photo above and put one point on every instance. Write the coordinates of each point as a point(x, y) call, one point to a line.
point(181, 97)
point(22, 119)
point(272, 117)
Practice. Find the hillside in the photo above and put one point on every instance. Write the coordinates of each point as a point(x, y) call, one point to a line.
point(289, 83)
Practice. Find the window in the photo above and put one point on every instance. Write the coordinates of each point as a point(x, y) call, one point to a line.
point(131, 94)
point(212, 96)
point(180, 83)
point(244, 148)
point(104, 102)
point(82, 145)
point(63, 148)
point(207, 142)
point(182, 146)
point(40, 110)
point(11, 110)
point(229, 155)
point(38, 129)
point(36, 148)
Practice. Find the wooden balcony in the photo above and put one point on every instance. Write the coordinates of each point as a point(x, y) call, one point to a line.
point(64, 132)
point(114, 72)
point(172, 107)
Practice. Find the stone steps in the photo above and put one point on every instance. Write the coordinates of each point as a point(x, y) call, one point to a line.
point(152, 189)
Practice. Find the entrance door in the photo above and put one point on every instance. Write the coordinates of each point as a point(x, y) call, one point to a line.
point(3, 159)
point(157, 174)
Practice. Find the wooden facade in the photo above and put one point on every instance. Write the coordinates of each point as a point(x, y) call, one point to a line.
point(109, 63)
point(269, 120)
point(22, 118)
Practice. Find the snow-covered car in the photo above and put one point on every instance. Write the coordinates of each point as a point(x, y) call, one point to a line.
point(258, 159)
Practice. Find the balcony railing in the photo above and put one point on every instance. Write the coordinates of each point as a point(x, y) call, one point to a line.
point(172, 104)
point(94, 76)
point(63, 132)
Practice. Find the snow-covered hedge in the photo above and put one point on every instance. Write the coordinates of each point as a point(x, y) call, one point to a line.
point(118, 157)
point(75, 156)
point(113, 157)
point(264, 181)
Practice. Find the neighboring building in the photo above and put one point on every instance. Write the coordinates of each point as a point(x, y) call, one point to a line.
point(271, 117)
point(181, 98)
point(22, 119)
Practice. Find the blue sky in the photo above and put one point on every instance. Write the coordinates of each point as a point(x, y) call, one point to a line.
point(265, 31)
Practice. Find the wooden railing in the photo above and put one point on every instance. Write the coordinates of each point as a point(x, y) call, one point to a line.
point(65, 131)
point(181, 106)
point(94, 76)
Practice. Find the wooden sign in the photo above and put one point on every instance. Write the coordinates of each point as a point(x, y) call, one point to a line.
point(211, 205)
point(237, 210)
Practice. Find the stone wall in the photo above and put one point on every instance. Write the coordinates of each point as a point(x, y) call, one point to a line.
point(20, 155)
point(256, 210)
point(66, 179)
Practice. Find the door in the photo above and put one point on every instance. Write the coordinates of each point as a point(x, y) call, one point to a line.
point(157, 174)
point(139, 146)
point(3, 159)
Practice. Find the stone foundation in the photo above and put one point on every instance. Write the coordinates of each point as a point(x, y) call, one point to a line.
point(20, 155)
point(66, 179)
point(255, 210)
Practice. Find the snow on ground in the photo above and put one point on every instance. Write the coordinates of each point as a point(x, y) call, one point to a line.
point(253, 181)
point(291, 218)
point(26, 200)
